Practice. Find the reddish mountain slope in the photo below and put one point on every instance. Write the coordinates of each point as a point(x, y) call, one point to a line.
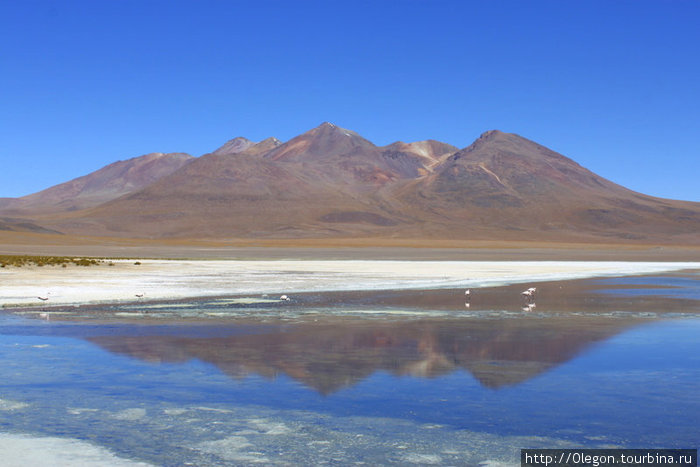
point(98, 187)
point(504, 181)
point(413, 160)
point(347, 162)
point(245, 193)
point(236, 145)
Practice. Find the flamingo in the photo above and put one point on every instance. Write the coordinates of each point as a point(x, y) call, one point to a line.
point(467, 298)
point(529, 294)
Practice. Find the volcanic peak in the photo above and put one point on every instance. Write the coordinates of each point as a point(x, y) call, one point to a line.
point(323, 142)
point(235, 145)
point(330, 128)
point(490, 134)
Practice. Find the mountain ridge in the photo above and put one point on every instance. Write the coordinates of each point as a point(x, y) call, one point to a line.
point(109, 182)
point(332, 182)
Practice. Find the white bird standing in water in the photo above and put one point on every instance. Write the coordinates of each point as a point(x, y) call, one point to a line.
point(467, 298)
point(529, 294)
point(284, 297)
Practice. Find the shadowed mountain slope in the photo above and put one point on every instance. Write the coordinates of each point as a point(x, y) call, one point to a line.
point(9, 224)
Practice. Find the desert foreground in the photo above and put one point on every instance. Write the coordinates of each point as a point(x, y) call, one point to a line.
point(23, 243)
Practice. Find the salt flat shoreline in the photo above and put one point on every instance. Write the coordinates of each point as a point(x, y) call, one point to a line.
point(152, 280)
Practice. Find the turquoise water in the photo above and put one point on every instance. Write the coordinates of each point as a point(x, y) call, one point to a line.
point(429, 390)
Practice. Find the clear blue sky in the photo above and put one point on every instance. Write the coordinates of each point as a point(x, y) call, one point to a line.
point(615, 85)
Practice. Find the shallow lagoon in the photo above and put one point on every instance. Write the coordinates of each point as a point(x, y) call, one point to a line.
point(365, 378)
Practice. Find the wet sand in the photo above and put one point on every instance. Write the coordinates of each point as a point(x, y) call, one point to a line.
point(148, 280)
point(603, 297)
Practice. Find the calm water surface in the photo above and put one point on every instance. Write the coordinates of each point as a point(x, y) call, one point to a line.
point(360, 382)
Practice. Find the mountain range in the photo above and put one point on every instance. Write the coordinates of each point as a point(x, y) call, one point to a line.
point(332, 182)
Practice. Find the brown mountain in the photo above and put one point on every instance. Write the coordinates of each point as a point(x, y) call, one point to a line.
point(325, 141)
point(304, 187)
point(416, 159)
point(234, 146)
point(503, 181)
point(332, 182)
point(98, 187)
point(244, 193)
point(351, 163)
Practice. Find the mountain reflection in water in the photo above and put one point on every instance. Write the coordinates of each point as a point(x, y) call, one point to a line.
point(328, 357)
